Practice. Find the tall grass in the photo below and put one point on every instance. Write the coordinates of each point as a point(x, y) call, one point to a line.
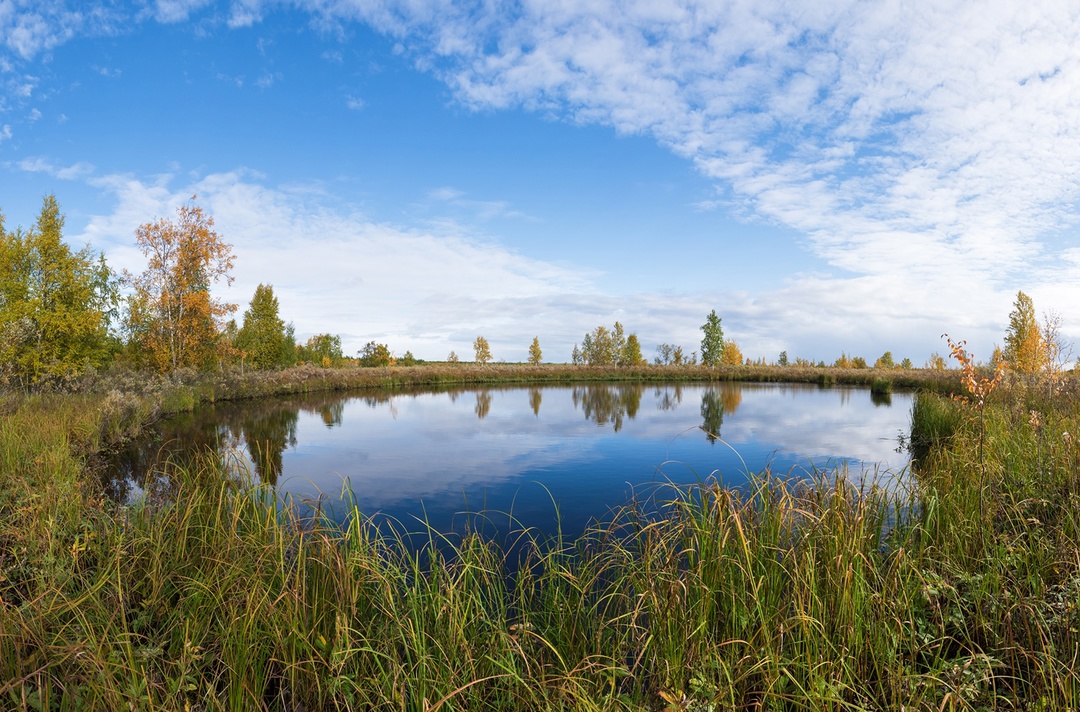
point(821, 595)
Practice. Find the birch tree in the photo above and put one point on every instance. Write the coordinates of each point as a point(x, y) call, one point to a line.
point(172, 316)
point(483, 351)
point(56, 304)
point(1023, 342)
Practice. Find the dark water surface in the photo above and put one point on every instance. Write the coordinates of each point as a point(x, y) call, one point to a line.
point(432, 455)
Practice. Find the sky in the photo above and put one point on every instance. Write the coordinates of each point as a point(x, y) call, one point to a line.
point(829, 177)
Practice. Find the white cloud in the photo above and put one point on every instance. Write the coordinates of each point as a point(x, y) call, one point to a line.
point(244, 13)
point(171, 11)
point(353, 103)
point(30, 27)
point(5, 132)
point(476, 210)
point(927, 151)
point(435, 287)
point(267, 80)
point(422, 290)
point(862, 126)
point(76, 171)
point(30, 33)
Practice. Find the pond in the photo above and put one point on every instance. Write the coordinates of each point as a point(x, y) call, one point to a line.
point(539, 454)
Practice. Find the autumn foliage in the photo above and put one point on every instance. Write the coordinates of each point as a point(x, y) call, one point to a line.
point(1024, 350)
point(55, 303)
point(978, 387)
point(173, 319)
point(604, 347)
point(731, 354)
point(482, 349)
point(535, 354)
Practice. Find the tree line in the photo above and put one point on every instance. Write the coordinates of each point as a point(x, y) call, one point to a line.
point(62, 312)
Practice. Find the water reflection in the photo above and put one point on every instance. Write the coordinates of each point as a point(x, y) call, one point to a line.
point(881, 399)
point(668, 397)
point(433, 454)
point(267, 431)
point(603, 404)
point(712, 410)
point(483, 403)
point(246, 440)
point(144, 470)
point(332, 413)
point(716, 401)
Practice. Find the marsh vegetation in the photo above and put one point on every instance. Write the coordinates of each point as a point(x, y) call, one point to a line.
point(958, 593)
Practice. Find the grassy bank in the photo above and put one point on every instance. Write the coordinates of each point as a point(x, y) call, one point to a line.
point(186, 389)
point(961, 594)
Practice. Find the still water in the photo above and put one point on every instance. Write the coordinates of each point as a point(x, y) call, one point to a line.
point(572, 452)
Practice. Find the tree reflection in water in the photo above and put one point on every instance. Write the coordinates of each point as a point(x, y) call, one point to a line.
point(717, 401)
point(267, 431)
point(439, 451)
point(712, 411)
point(332, 413)
point(668, 397)
point(244, 440)
point(483, 403)
point(605, 404)
point(154, 468)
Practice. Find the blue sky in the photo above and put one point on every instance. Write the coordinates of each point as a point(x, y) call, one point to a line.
point(845, 176)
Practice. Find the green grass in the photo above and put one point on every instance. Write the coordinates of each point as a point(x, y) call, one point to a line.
point(962, 593)
point(881, 386)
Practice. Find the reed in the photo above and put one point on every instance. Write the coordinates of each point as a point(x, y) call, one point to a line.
point(186, 389)
point(959, 592)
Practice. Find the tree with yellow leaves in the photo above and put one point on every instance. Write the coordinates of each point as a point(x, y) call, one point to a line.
point(374, 355)
point(483, 351)
point(172, 318)
point(631, 352)
point(535, 354)
point(325, 350)
point(731, 355)
point(55, 304)
point(1024, 350)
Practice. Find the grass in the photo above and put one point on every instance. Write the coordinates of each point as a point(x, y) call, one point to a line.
point(186, 389)
point(960, 594)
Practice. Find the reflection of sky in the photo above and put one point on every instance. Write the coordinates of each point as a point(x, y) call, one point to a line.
point(819, 425)
point(433, 448)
